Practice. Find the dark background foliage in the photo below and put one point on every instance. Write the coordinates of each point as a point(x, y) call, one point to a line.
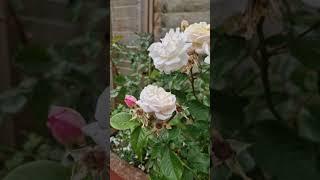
point(64, 69)
point(265, 79)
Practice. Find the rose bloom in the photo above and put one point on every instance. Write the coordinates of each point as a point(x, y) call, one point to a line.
point(198, 34)
point(156, 100)
point(65, 125)
point(171, 53)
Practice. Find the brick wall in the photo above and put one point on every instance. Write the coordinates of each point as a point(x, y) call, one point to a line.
point(169, 14)
point(126, 18)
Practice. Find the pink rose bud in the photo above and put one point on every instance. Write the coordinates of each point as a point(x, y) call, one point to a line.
point(130, 101)
point(65, 125)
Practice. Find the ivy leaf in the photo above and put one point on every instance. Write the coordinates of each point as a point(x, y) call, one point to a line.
point(198, 111)
point(170, 165)
point(138, 141)
point(39, 170)
point(122, 121)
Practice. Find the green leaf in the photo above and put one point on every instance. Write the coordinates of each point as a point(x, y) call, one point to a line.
point(238, 146)
point(187, 175)
point(34, 59)
point(198, 110)
point(282, 154)
point(39, 170)
point(199, 161)
point(123, 121)
point(39, 104)
point(138, 141)
point(175, 121)
point(154, 74)
point(175, 134)
point(228, 113)
point(170, 165)
point(246, 161)
point(15, 161)
point(120, 79)
point(221, 173)
point(309, 123)
point(307, 52)
point(12, 101)
point(226, 59)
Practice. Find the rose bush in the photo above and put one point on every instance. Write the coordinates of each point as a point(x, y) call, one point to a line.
point(165, 132)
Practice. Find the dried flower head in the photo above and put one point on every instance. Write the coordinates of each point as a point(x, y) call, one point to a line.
point(184, 25)
point(193, 62)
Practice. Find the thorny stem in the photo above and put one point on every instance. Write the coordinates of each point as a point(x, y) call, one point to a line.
point(192, 78)
point(73, 171)
point(263, 65)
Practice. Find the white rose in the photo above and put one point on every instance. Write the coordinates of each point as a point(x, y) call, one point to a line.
point(156, 100)
point(198, 34)
point(171, 53)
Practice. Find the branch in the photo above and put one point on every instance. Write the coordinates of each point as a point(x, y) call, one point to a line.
point(264, 66)
point(192, 84)
point(114, 68)
point(20, 27)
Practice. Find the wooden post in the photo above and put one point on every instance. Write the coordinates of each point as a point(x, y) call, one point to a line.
point(147, 16)
point(150, 6)
point(157, 19)
point(6, 127)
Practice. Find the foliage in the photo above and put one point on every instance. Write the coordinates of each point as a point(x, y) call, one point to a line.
point(55, 74)
point(35, 148)
point(45, 75)
point(179, 149)
point(39, 170)
point(265, 92)
point(141, 66)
